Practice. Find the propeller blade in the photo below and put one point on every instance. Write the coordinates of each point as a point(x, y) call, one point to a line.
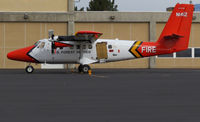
point(52, 47)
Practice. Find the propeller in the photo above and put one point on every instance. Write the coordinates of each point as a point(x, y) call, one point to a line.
point(53, 47)
point(51, 39)
point(56, 43)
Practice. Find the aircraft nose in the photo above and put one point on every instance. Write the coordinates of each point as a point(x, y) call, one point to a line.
point(21, 55)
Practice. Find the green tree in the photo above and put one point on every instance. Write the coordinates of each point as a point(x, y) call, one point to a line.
point(76, 9)
point(102, 5)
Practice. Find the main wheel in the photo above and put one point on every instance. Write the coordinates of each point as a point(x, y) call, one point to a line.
point(85, 68)
point(80, 68)
point(29, 69)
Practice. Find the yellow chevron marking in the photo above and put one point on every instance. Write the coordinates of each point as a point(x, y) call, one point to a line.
point(133, 50)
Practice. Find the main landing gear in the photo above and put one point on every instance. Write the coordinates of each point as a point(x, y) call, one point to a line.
point(29, 69)
point(84, 68)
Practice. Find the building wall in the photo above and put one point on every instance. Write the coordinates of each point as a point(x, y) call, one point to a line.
point(123, 31)
point(18, 35)
point(34, 5)
point(181, 62)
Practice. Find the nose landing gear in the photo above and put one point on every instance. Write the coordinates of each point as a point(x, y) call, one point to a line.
point(29, 69)
point(84, 68)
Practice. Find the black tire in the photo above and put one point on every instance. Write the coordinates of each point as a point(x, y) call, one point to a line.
point(85, 68)
point(29, 69)
point(80, 68)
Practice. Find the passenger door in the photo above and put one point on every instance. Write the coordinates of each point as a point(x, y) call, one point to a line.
point(102, 53)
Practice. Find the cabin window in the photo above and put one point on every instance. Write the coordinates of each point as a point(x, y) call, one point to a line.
point(78, 47)
point(197, 52)
point(90, 46)
point(109, 46)
point(72, 47)
point(185, 53)
point(84, 46)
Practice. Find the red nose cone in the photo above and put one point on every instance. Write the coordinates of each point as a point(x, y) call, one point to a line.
point(21, 55)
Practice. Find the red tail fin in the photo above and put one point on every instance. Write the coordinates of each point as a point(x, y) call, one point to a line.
point(175, 36)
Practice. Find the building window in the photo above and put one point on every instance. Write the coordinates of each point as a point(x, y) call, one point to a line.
point(197, 52)
point(166, 56)
point(185, 53)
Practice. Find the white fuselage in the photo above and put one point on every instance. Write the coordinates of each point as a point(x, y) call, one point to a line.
point(82, 52)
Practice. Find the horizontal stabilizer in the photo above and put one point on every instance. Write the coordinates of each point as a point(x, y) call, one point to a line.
point(173, 36)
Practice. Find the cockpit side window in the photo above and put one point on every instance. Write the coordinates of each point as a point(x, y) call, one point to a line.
point(42, 45)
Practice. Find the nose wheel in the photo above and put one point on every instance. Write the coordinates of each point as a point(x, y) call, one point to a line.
point(29, 69)
point(84, 68)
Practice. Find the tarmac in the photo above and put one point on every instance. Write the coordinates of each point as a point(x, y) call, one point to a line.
point(108, 95)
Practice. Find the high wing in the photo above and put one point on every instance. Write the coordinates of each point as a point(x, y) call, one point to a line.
point(81, 36)
point(66, 41)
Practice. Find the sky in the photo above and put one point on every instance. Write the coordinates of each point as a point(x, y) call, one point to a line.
point(141, 5)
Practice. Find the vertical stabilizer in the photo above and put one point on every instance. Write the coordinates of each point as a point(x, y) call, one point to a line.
point(176, 33)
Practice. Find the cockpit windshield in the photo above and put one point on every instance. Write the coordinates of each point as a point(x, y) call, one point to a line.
point(36, 44)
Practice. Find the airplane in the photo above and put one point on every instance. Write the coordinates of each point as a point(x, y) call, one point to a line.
point(86, 48)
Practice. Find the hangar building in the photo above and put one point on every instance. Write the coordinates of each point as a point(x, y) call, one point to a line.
point(22, 23)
